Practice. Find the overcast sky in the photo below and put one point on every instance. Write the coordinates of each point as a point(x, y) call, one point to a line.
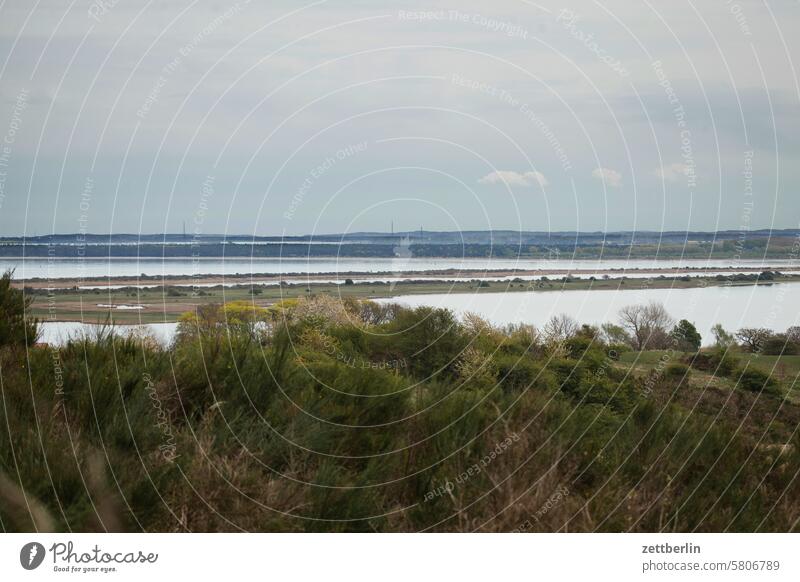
point(336, 116)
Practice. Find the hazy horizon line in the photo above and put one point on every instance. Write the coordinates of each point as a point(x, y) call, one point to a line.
point(399, 233)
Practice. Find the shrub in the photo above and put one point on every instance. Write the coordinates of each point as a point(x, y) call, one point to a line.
point(289, 434)
point(754, 380)
point(577, 346)
point(519, 373)
point(780, 345)
point(676, 370)
point(15, 328)
point(614, 350)
point(429, 339)
point(719, 362)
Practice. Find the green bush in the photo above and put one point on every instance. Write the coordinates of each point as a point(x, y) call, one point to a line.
point(615, 350)
point(780, 345)
point(15, 328)
point(676, 370)
point(719, 361)
point(754, 380)
point(283, 433)
point(429, 339)
point(515, 373)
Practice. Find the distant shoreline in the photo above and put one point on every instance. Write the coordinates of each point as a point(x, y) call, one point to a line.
point(64, 237)
point(166, 303)
point(299, 277)
point(501, 244)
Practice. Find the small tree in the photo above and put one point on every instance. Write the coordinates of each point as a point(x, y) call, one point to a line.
point(722, 338)
point(648, 325)
point(15, 328)
point(560, 328)
point(615, 334)
point(206, 321)
point(590, 332)
point(753, 338)
point(216, 320)
point(686, 336)
point(245, 317)
point(793, 333)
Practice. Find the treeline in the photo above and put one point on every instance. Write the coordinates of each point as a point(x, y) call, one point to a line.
point(651, 327)
point(327, 415)
point(732, 239)
point(564, 250)
point(204, 250)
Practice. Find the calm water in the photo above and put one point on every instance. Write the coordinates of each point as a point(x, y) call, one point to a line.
point(772, 306)
point(92, 268)
point(58, 332)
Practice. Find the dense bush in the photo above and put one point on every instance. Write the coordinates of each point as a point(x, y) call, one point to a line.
point(15, 329)
point(754, 380)
point(516, 373)
point(326, 416)
point(677, 370)
point(719, 361)
point(780, 345)
point(615, 350)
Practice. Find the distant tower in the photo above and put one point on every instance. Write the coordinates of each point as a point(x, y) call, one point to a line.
point(184, 230)
point(393, 228)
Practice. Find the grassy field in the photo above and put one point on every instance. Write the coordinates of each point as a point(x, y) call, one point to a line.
point(783, 366)
point(783, 369)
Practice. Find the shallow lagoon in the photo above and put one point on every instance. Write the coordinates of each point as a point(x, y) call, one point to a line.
point(773, 306)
